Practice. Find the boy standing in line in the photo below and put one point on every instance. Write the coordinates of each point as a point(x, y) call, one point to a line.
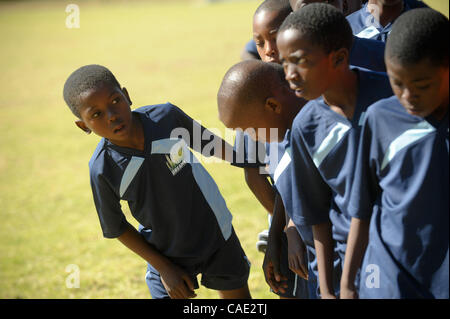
point(314, 45)
point(399, 203)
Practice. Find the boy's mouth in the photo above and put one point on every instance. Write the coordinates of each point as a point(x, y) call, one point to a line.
point(119, 128)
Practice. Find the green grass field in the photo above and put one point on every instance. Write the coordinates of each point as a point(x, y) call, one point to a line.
point(160, 51)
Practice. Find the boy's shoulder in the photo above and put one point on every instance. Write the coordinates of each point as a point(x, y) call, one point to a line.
point(374, 79)
point(373, 86)
point(413, 4)
point(384, 109)
point(157, 111)
point(357, 18)
point(308, 115)
point(163, 116)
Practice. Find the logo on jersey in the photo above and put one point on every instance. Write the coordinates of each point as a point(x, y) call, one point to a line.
point(175, 160)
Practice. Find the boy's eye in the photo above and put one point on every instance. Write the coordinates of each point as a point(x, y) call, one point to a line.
point(116, 100)
point(397, 84)
point(301, 61)
point(95, 115)
point(423, 87)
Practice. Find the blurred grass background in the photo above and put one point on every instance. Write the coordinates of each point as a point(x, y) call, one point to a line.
point(161, 51)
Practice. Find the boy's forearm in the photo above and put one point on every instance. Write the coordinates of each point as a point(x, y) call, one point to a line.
point(136, 243)
point(357, 240)
point(278, 220)
point(261, 188)
point(324, 244)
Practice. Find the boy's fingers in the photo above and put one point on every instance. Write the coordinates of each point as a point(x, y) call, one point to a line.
point(189, 283)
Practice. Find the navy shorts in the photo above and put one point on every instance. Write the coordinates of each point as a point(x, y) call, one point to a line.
point(297, 286)
point(227, 269)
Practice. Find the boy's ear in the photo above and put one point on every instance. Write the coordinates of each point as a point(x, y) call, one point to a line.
point(273, 105)
point(83, 126)
point(125, 92)
point(339, 57)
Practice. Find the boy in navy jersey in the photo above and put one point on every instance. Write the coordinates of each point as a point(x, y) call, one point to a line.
point(186, 225)
point(374, 20)
point(254, 95)
point(365, 53)
point(314, 45)
point(256, 155)
point(399, 201)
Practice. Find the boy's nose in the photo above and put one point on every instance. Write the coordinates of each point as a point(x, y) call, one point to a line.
point(291, 73)
point(112, 115)
point(270, 49)
point(408, 95)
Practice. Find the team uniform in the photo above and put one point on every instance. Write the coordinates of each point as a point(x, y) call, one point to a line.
point(266, 156)
point(285, 186)
point(182, 213)
point(364, 25)
point(402, 184)
point(368, 54)
point(250, 47)
point(323, 151)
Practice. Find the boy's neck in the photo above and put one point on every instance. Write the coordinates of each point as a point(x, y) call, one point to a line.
point(341, 97)
point(136, 139)
point(385, 14)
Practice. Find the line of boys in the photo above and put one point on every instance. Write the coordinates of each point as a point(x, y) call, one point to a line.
point(323, 147)
point(185, 225)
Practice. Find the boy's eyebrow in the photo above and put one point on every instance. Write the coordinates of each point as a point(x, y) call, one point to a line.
point(273, 31)
point(297, 54)
point(91, 107)
point(423, 79)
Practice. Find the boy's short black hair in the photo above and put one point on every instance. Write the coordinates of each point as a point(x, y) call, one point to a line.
point(323, 24)
point(85, 78)
point(419, 34)
point(248, 81)
point(275, 5)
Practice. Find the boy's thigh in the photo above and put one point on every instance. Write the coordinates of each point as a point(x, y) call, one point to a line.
point(228, 268)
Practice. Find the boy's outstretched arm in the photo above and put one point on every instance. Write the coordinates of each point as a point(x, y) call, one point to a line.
point(358, 238)
point(324, 244)
point(261, 188)
point(271, 264)
point(176, 281)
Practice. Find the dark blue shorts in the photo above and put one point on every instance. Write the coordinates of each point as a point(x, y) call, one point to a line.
point(297, 286)
point(227, 269)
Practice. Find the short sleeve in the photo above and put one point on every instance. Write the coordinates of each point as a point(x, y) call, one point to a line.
point(249, 153)
point(107, 203)
point(250, 47)
point(199, 138)
point(311, 196)
point(365, 188)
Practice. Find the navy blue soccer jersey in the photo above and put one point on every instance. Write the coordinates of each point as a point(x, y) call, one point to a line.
point(368, 54)
point(250, 47)
point(364, 25)
point(323, 151)
point(251, 153)
point(402, 184)
point(168, 191)
point(286, 185)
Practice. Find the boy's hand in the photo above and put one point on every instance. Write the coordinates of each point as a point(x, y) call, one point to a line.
point(271, 268)
point(348, 292)
point(296, 253)
point(177, 282)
